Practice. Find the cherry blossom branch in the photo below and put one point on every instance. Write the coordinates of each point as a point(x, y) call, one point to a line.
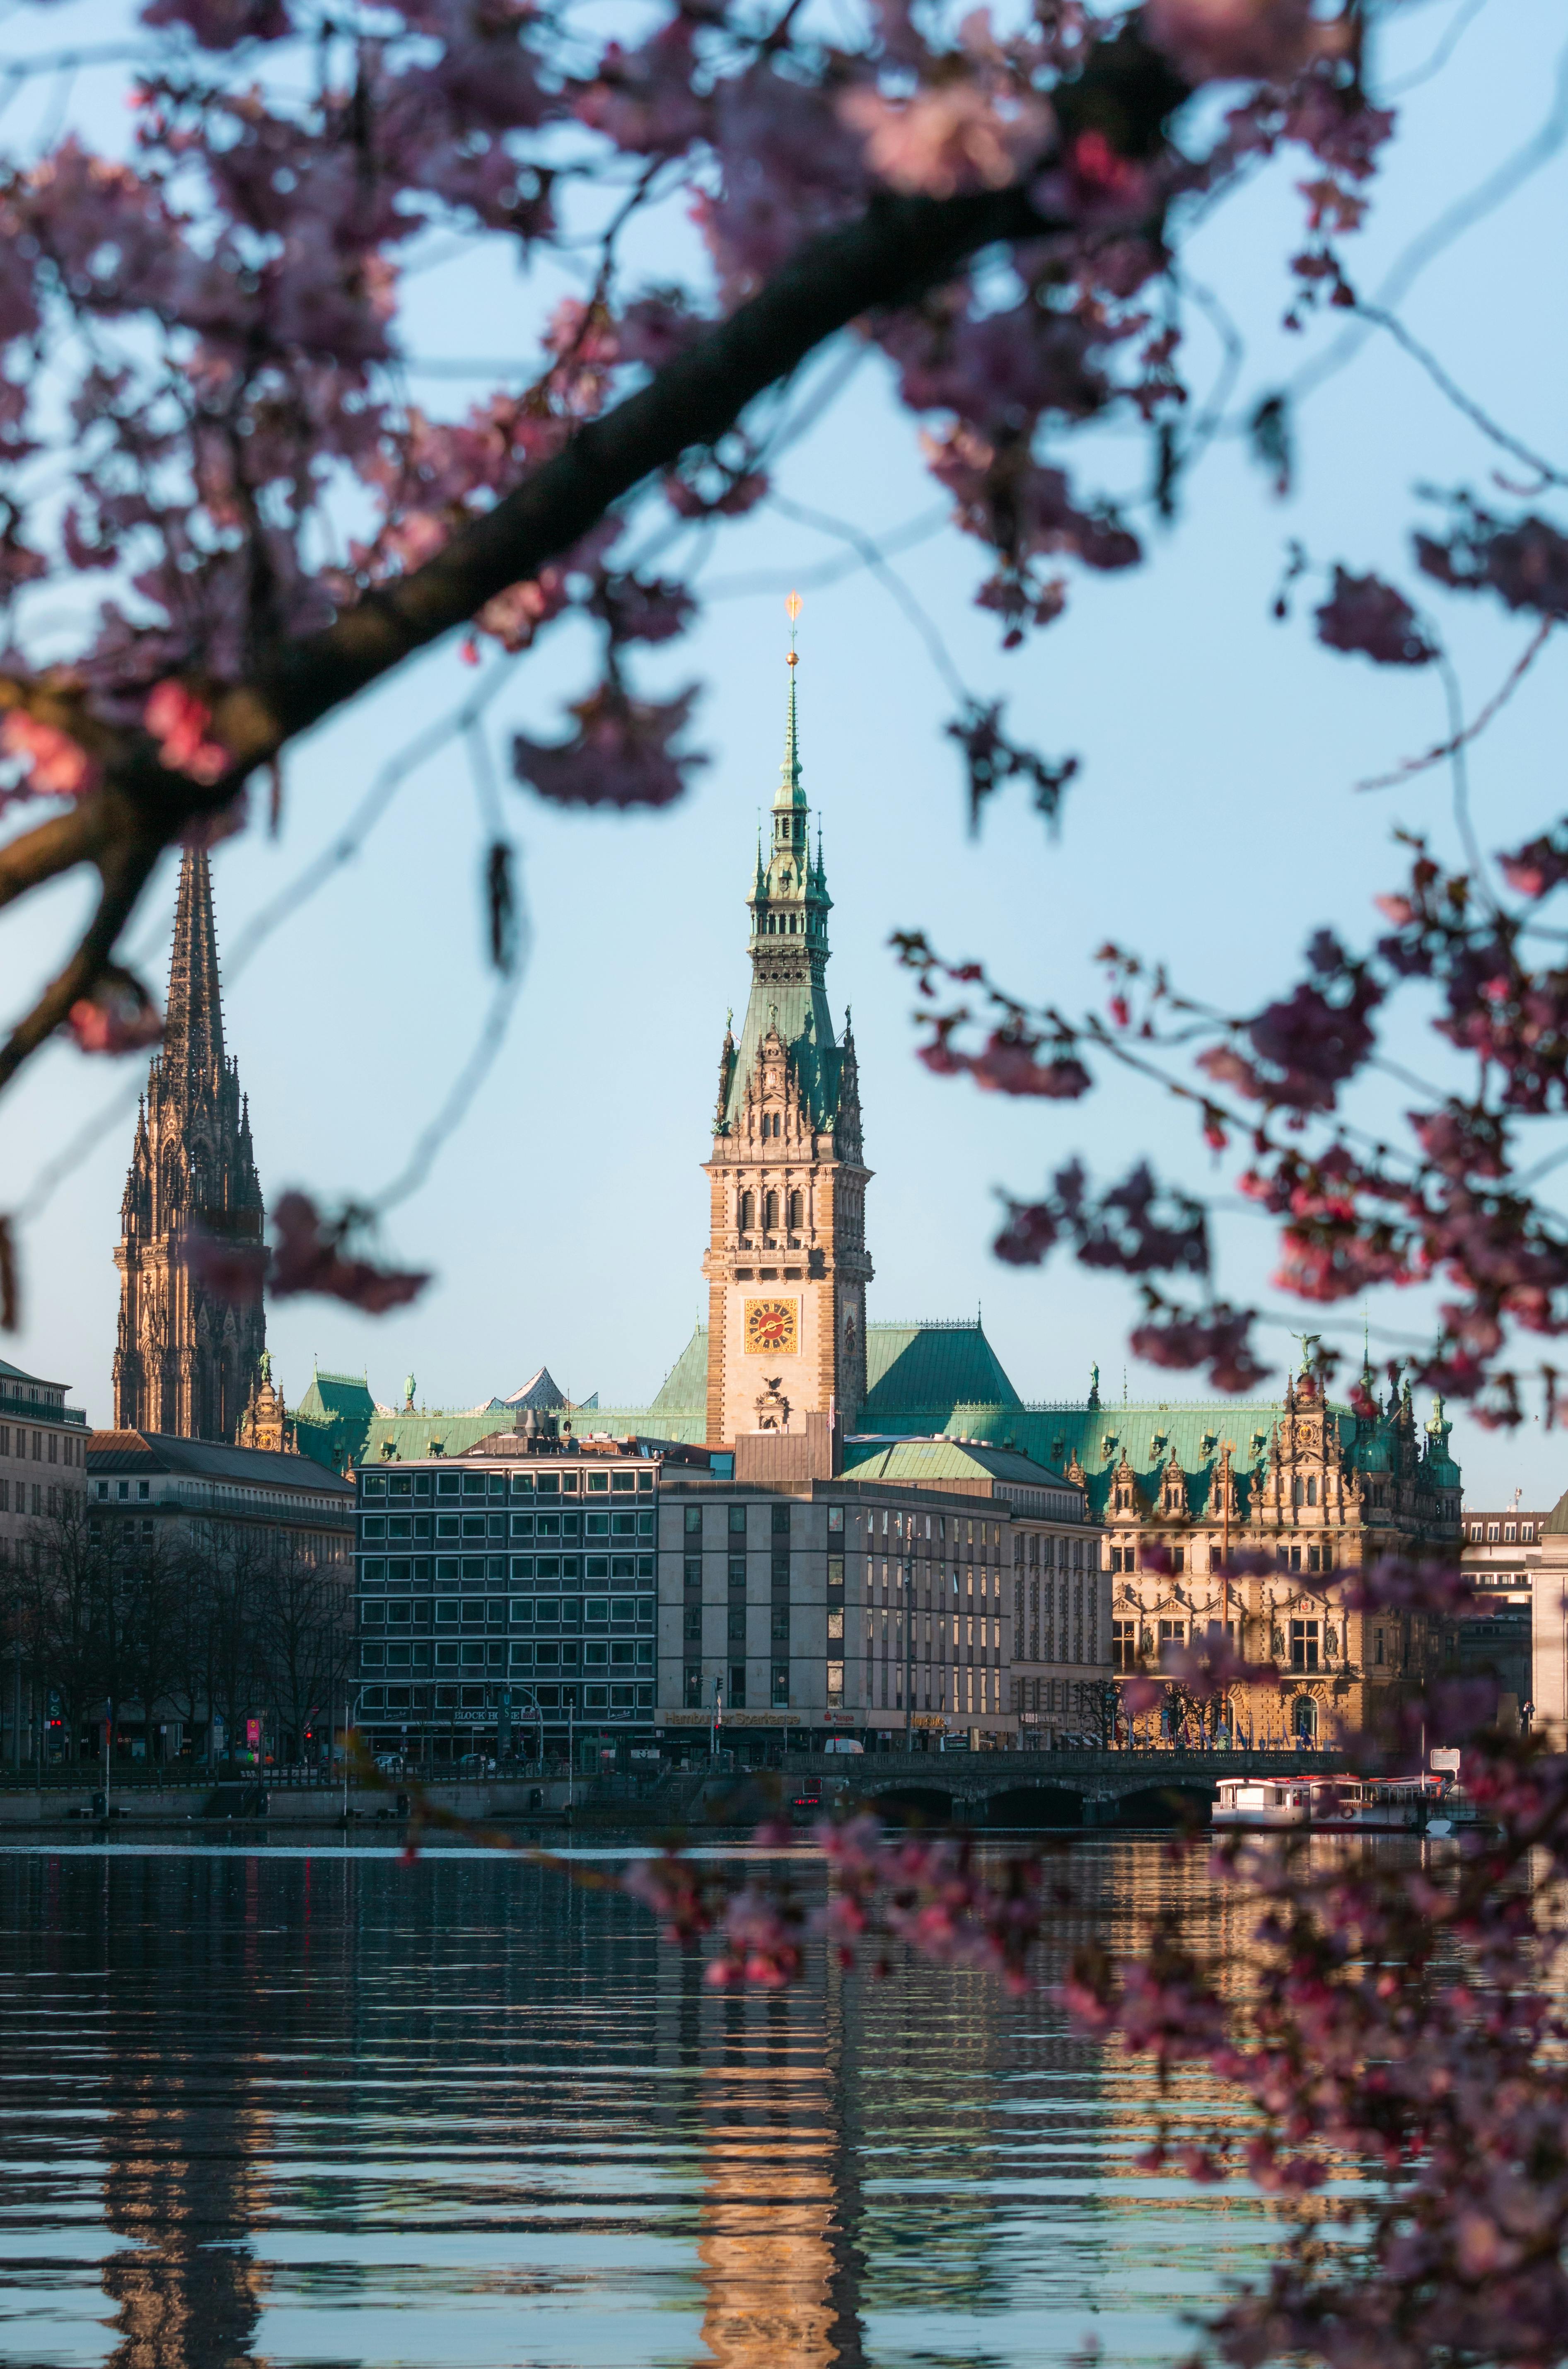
point(1477, 724)
point(899, 247)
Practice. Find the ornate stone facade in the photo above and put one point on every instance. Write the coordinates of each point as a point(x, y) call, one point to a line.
point(187, 1362)
point(1318, 1489)
point(786, 1263)
point(266, 1421)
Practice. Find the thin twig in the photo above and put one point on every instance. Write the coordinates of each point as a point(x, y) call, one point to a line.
point(1383, 319)
point(1468, 732)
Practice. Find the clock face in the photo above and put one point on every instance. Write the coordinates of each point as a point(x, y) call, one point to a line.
point(771, 1330)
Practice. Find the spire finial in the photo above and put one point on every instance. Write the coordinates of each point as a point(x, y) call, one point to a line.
point(789, 784)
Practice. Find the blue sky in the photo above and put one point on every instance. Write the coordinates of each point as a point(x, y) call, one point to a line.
point(1215, 823)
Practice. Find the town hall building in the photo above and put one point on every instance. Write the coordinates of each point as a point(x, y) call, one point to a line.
point(830, 1522)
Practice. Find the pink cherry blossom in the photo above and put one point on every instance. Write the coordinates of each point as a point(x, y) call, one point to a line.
point(1226, 41)
point(958, 135)
point(56, 766)
point(119, 1017)
point(177, 721)
point(621, 754)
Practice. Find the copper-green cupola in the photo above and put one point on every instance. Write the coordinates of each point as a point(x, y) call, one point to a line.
point(789, 907)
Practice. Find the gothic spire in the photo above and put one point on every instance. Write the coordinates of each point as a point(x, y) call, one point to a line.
point(186, 1360)
point(193, 1031)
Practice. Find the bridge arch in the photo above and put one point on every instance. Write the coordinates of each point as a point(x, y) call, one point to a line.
point(909, 1804)
point(1024, 1808)
point(1161, 1806)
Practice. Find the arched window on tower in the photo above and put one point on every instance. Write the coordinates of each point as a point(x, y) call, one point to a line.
point(797, 1211)
point(747, 1218)
point(770, 1210)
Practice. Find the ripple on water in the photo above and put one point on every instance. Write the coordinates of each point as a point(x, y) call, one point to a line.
point(313, 2106)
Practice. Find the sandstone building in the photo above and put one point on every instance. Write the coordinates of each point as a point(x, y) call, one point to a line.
point(186, 1362)
point(786, 1266)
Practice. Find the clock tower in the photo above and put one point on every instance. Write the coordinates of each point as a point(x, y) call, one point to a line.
point(786, 1262)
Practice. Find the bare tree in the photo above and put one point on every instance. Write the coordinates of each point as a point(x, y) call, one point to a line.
point(304, 1638)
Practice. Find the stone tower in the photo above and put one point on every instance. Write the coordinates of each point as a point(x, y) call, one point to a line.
point(187, 1361)
point(786, 1262)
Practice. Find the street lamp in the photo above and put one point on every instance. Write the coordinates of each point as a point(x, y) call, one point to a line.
point(908, 1571)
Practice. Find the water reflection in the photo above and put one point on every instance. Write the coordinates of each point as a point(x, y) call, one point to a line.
point(284, 2107)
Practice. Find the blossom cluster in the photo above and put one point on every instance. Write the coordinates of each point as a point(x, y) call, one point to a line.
point(222, 301)
point(1452, 1208)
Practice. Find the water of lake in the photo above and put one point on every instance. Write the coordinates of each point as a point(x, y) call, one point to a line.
point(310, 2105)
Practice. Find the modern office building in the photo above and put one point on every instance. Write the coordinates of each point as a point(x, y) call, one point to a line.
point(589, 1593)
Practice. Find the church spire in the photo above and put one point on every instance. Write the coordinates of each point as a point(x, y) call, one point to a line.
point(193, 1031)
point(186, 1360)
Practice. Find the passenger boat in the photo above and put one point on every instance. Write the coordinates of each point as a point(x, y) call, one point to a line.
point(1343, 1805)
point(1262, 1802)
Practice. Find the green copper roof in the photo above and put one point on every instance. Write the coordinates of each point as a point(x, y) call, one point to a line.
point(685, 1388)
point(788, 947)
point(915, 1370)
point(914, 1460)
point(336, 1394)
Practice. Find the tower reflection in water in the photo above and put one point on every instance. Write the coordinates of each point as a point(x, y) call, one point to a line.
point(279, 2109)
point(776, 2248)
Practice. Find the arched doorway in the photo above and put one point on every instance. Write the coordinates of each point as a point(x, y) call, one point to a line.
point(1304, 1720)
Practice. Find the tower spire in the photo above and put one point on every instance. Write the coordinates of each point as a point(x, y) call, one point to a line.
point(193, 1033)
point(790, 791)
point(188, 1362)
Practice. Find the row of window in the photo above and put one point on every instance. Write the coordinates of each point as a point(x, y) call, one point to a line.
point(1307, 1640)
point(521, 1654)
point(62, 1447)
point(1046, 1550)
point(791, 1205)
point(1076, 1694)
point(375, 1528)
point(1507, 1533)
point(571, 1480)
point(728, 1691)
point(376, 1700)
point(34, 1497)
point(547, 1570)
point(524, 1612)
point(1175, 1558)
point(737, 1570)
point(730, 1521)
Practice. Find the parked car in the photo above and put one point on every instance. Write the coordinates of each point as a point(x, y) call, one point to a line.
point(475, 1764)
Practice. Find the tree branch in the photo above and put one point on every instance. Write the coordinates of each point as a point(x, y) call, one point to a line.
point(898, 249)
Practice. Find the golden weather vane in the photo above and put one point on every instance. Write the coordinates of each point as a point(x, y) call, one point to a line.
point(791, 611)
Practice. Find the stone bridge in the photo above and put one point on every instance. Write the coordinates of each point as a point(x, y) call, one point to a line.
point(1003, 1790)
